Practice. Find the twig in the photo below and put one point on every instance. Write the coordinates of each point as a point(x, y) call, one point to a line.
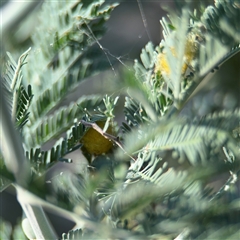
point(16, 163)
point(231, 180)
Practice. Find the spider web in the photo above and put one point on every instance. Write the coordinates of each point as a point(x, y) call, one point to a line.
point(140, 37)
point(136, 32)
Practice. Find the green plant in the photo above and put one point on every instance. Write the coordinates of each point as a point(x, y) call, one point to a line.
point(155, 181)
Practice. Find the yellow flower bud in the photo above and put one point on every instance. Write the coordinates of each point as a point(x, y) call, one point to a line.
point(191, 49)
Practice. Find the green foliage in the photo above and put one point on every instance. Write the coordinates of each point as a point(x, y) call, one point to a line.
point(6, 229)
point(42, 160)
point(65, 51)
point(18, 232)
point(77, 234)
point(134, 115)
point(64, 54)
point(53, 125)
point(18, 97)
point(10, 232)
point(192, 139)
point(157, 181)
point(222, 21)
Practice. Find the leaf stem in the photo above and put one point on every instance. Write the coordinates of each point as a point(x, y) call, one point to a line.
point(16, 163)
point(36, 216)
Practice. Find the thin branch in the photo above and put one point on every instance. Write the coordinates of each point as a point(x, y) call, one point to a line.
point(11, 147)
point(16, 163)
point(231, 181)
point(36, 217)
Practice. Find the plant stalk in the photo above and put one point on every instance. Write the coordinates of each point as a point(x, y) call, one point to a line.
point(16, 163)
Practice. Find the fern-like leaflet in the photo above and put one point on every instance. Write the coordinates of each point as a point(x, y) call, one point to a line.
point(17, 96)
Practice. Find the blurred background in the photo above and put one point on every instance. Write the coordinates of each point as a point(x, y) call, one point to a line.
point(124, 39)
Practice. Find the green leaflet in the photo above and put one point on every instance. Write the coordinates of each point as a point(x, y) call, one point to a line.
point(224, 15)
point(65, 51)
point(42, 160)
point(73, 234)
point(190, 139)
point(18, 97)
point(8, 231)
point(53, 125)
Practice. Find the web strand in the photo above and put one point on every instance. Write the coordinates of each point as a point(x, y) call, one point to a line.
point(105, 51)
point(144, 19)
